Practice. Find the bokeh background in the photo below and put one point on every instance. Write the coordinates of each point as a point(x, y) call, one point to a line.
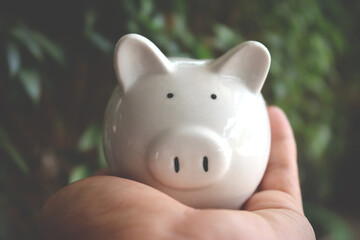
point(56, 77)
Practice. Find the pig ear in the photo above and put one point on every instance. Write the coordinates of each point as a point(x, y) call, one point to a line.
point(249, 61)
point(136, 56)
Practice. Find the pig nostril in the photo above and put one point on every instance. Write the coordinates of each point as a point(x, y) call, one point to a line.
point(206, 164)
point(176, 164)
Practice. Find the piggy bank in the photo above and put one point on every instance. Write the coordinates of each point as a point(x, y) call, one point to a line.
point(197, 130)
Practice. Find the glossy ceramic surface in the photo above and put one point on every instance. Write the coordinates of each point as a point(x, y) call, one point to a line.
point(197, 130)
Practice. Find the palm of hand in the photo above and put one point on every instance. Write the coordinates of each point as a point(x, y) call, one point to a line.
point(106, 207)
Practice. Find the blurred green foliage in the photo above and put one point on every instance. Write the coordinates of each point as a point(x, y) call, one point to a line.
point(56, 77)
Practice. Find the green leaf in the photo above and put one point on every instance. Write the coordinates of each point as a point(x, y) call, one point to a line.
point(180, 28)
point(31, 80)
point(90, 19)
point(14, 154)
point(50, 47)
point(79, 172)
point(129, 6)
point(96, 38)
point(334, 225)
point(226, 37)
point(101, 156)
point(157, 23)
point(146, 8)
point(202, 52)
point(132, 26)
point(320, 140)
point(90, 138)
point(25, 36)
point(13, 58)
point(100, 42)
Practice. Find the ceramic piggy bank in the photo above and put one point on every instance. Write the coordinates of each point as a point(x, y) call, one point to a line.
point(197, 130)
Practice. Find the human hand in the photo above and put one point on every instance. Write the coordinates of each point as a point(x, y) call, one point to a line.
point(108, 207)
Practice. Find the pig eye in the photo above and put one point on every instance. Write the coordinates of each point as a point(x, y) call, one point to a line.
point(170, 95)
point(213, 96)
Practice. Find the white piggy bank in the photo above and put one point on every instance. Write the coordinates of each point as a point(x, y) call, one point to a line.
point(197, 130)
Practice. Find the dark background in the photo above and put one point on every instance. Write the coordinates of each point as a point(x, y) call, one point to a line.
point(56, 77)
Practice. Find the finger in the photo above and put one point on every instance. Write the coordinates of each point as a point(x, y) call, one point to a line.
point(229, 224)
point(106, 207)
point(282, 170)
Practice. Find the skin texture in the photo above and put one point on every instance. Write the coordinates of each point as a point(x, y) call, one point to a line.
point(109, 207)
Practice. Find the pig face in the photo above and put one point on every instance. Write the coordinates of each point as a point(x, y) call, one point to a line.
point(197, 130)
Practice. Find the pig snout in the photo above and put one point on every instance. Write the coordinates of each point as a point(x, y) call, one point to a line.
point(188, 157)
